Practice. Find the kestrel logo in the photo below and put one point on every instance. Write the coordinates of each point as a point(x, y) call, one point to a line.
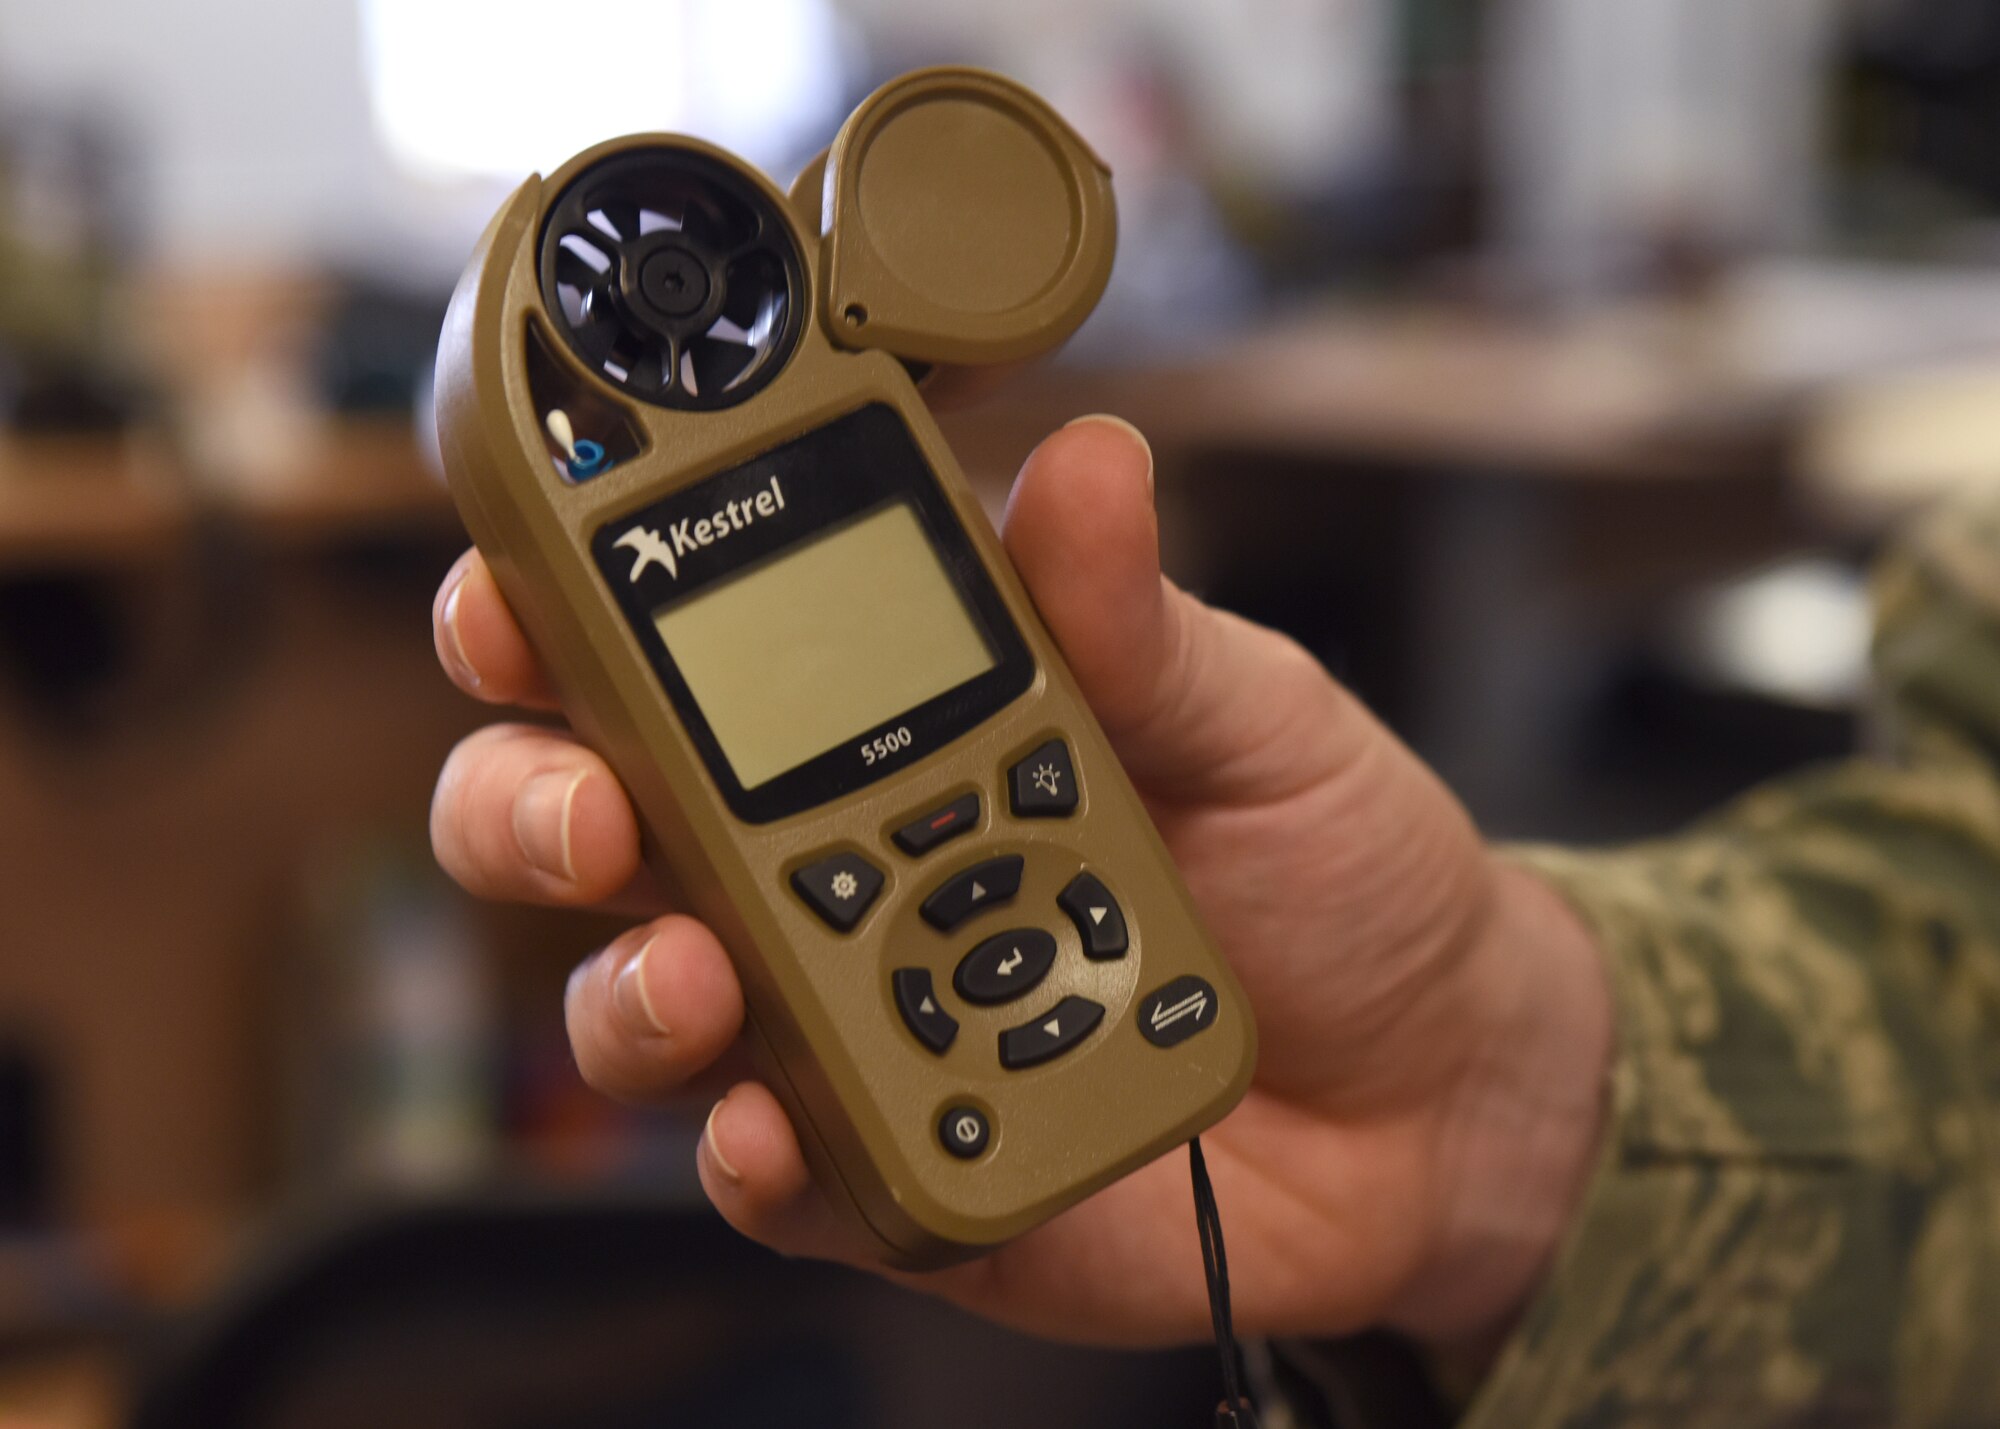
point(649, 548)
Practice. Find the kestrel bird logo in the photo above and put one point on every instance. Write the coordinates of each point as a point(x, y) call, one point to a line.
point(649, 548)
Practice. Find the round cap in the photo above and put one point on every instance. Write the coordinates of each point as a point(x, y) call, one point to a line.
point(965, 222)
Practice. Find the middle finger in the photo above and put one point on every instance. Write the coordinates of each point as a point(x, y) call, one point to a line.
point(529, 815)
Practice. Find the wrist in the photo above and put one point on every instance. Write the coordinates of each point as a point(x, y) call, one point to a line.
point(1518, 1133)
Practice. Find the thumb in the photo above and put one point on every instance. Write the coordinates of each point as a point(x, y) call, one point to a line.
point(1198, 704)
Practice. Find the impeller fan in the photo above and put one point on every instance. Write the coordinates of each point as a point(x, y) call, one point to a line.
point(673, 278)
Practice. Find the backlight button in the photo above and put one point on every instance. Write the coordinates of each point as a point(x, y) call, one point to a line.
point(1043, 786)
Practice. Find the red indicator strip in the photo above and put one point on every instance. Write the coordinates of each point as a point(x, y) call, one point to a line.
point(949, 816)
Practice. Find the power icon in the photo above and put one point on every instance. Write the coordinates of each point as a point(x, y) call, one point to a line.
point(964, 1132)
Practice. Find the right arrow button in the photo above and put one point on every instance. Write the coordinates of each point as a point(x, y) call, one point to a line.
point(1098, 918)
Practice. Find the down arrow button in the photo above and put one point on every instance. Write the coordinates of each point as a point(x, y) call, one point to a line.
point(1049, 1035)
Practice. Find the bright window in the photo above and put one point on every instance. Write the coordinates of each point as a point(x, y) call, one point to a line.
point(502, 87)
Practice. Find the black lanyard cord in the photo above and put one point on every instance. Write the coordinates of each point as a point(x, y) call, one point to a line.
point(1235, 1411)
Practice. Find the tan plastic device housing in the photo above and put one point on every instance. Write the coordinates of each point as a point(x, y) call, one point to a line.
point(955, 159)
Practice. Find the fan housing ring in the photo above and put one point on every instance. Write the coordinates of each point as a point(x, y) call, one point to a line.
point(673, 276)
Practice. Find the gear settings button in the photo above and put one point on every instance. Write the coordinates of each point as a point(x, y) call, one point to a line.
point(839, 888)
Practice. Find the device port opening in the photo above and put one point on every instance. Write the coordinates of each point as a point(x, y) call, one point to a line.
point(585, 432)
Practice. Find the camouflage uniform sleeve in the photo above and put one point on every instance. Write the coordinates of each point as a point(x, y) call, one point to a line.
point(1797, 1216)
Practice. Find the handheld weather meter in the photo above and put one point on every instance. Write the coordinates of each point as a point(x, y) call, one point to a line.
point(680, 415)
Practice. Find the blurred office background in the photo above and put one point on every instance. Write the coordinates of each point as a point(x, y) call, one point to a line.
point(1551, 367)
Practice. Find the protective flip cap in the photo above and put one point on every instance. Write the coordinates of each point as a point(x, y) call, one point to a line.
point(962, 221)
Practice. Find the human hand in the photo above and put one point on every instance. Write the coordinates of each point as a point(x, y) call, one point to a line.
point(1434, 1024)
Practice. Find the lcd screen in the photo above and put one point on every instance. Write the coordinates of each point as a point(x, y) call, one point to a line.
point(823, 642)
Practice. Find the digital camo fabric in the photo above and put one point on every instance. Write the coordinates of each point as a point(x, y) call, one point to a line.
point(1797, 1218)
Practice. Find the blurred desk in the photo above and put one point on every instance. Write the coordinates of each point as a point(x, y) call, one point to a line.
point(86, 499)
point(67, 497)
point(1630, 425)
point(204, 690)
point(1638, 394)
point(1635, 399)
point(1454, 510)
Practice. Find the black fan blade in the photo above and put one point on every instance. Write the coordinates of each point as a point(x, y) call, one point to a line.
point(653, 219)
point(718, 363)
point(578, 270)
point(718, 223)
point(756, 291)
point(594, 341)
point(622, 353)
point(650, 370)
point(697, 223)
point(617, 219)
point(584, 292)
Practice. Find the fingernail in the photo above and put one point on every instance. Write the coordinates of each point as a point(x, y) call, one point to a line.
point(633, 1001)
point(454, 641)
point(714, 1151)
point(542, 812)
point(1124, 426)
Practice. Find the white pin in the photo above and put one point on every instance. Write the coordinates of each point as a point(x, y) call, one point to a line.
point(559, 428)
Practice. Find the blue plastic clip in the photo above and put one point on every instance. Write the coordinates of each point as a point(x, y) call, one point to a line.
point(590, 460)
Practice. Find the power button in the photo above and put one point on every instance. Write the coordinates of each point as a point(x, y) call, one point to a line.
point(964, 1132)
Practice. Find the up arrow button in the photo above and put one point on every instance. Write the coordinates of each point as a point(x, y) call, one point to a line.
point(973, 890)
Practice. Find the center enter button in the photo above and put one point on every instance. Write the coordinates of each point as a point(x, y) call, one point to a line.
point(1005, 966)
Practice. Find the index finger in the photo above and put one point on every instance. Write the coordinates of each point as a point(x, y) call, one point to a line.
point(479, 642)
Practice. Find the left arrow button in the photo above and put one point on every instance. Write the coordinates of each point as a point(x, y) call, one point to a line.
point(929, 1023)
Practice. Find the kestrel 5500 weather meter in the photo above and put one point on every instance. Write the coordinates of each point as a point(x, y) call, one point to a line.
point(680, 414)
